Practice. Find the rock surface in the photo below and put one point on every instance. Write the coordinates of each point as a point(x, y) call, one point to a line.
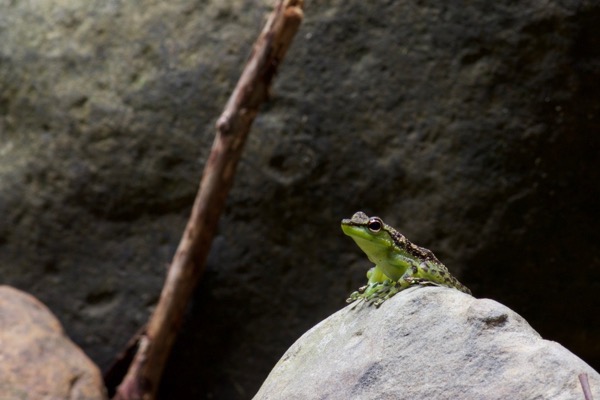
point(472, 127)
point(37, 360)
point(427, 343)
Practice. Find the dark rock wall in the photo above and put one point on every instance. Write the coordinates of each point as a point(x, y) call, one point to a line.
point(470, 126)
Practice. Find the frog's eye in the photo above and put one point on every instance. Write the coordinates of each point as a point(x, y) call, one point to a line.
point(375, 224)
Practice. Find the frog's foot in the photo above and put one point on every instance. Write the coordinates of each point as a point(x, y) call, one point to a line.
point(375, 293)
point(378, 292)
point(358, 295)
point(420, 281)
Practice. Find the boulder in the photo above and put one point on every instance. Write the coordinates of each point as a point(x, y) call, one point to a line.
point(37, 360)
point(427, 343)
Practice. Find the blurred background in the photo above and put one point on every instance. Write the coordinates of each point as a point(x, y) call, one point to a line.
point(472, 127)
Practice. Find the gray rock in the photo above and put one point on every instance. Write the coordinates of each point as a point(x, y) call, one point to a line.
point(37, 360)
point(427, 343)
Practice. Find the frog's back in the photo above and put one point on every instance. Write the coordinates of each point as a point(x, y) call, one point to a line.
point(437, 272)
point(430, 268)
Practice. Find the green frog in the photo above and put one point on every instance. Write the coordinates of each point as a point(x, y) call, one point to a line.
point(398, 262)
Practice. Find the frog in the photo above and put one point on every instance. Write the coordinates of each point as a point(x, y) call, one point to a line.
point(399, 264)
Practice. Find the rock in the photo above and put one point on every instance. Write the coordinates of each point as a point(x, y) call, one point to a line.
point(427, 343)
point(37, 360)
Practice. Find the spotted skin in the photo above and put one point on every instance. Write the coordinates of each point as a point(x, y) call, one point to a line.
point(398, 262)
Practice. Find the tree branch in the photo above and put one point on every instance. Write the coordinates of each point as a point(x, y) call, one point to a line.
point(585, 386)
point(154, 346)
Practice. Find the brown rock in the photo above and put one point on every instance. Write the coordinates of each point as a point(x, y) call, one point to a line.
point(37, 359)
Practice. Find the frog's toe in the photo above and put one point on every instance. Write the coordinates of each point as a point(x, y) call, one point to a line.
point(354, 296)
point(375, 293)
point(421, 281)
point(381, 293)
point(378, 302)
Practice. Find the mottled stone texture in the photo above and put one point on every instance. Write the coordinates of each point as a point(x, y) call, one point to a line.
point(37, 360)
point(423, 344)
point(472, 127)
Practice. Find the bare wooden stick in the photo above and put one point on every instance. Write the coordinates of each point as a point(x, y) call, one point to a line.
point(154, 346)
point(114, 374)
point(585, 385)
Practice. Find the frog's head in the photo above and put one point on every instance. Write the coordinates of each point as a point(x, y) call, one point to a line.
point(371, 234)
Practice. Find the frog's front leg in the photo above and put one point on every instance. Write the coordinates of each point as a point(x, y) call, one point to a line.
point(376, 275)
point(377, 281)
point(380, 288)
point(421, 281)
point(390, 288)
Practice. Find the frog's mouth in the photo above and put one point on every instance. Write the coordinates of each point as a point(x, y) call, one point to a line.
point(367, 240)
point(350, 229)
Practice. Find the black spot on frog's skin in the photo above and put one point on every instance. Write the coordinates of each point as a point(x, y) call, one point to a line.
point(415, 251)
point(418, 257)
